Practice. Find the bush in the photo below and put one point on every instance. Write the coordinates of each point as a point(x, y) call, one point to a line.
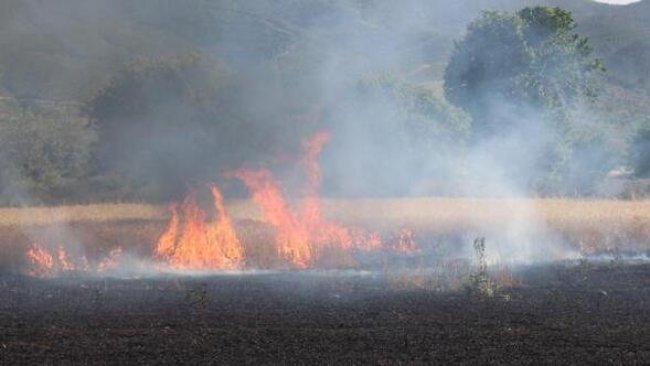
point(45, 155)
point(529, 60)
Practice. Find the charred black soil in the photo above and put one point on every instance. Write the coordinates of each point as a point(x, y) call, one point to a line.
point(559, 314)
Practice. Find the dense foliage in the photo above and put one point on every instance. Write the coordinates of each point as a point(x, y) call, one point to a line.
point(528, 76)
point(44, 155)
point(513, 63)
point(175, 93)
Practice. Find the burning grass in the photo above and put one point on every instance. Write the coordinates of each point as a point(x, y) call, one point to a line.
point(588, 226)
point(307, 232)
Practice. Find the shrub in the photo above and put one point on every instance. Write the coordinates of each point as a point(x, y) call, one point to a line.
point(45, 155)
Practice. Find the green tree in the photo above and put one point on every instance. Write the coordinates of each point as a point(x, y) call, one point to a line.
point(45, 155)
point(484, 67)
point(513, 63)
point(529, 76)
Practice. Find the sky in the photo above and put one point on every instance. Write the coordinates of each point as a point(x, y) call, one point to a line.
point(618, 2)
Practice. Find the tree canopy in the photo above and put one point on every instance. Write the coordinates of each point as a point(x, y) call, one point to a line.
point(180, 92)
point(510, 63)
point(530, 83)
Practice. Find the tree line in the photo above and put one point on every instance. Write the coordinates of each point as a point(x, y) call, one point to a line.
point(523, 94)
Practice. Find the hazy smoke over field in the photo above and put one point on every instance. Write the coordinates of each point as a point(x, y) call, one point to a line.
point(367, 71)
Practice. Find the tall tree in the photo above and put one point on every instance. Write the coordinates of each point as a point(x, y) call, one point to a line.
point(528, 80)
point(508, 64)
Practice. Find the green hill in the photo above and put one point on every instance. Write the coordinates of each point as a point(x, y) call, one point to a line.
point(261, 73)
point(65, 49)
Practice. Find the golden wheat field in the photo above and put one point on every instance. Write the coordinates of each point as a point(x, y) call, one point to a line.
point(588, 225)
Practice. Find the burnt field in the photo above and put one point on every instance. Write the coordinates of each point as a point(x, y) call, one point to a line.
point(570, 313)
point(554, 281)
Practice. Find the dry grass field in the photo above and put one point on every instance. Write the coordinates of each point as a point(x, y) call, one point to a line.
point(587, 225)
point(94, 213)
point(584, 312)
point(416, 212)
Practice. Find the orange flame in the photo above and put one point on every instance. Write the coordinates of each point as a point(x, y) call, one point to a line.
point(166, 242)
point(41, 260)
point(66, 265)
point(199, 243)
point(109, 262)
point(196, 240)
point(301, 238)
point(44, 263)
point(291, 236)
point(323, 231)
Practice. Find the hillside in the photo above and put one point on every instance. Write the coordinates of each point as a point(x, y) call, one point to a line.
point(66, 50)
point(115, 99)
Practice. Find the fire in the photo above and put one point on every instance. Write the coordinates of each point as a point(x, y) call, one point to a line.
point(110, 262)
point(199, 243)
point(302, 235)
point(291, 235)
point(199, 239)
point(46, 263)
point(41, 260)
point(166, 242)
point(324, 232)
point(66, 265)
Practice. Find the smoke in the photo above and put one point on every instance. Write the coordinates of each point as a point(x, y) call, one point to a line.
point(367, 71)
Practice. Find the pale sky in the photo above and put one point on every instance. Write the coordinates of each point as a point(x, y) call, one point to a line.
point(618, 2)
